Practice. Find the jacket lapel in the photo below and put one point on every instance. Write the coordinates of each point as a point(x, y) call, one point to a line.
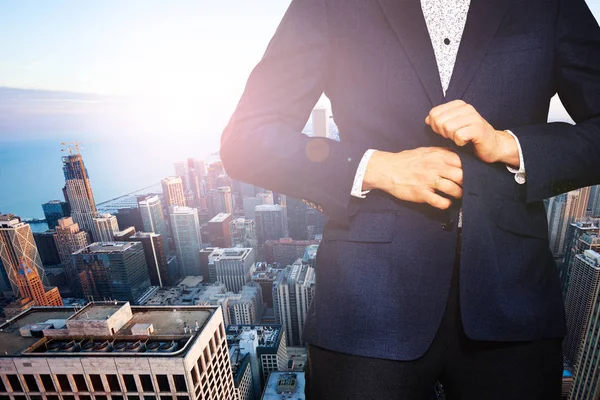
point(406, 20)
point(483, 20)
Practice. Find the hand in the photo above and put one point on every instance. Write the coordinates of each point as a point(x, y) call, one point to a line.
point(418, 175)
point(461, 123)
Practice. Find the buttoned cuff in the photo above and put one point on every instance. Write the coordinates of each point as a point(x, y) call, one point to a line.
point(360, 175)
point(520, 176)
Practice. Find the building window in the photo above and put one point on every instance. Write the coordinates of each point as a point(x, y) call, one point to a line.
point(113, 383)
point(85, 398)
point(13, 381)
point(183, 398)
point(47, 383)
point(35, 397)
point(64, 384)
point(97, 385)
point(147, 383)
point(20, 398)
point(165, 398)
point(194, 376)
point(163, 383)
point(80, 383)
point(4, 397)
point(115, 397)
point(133, 397)
point(68, 397)
point(180, 385)
point(149, 397)
point(99, 397)
point(129, 383)
point(32, 385)
point(2, 387)
point(52, 397)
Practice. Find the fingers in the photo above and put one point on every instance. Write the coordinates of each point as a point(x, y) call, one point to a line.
point(435, 200)
point(452, 174)
point(449, 187)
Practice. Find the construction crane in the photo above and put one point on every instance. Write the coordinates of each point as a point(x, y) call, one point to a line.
point(72, 147)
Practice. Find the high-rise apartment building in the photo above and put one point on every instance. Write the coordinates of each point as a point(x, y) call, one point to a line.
point(105, 226)
point(173, 191)
point(187, 239)
point(320, 122)
point(243, 232)
point(112, 270)
point(69, 239)
point(582, 294)
point(292, 293)
point(266, 345)
point(153, 217)
point(55, 210)
point(234, 267)
point(116, 351)
point(218, 230)
point(16, 244)
point(78, 190)
point(156, 259)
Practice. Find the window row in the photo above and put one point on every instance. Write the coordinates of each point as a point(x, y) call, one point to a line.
point(78, 383)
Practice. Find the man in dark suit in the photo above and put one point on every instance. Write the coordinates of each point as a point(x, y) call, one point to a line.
point(434, 263)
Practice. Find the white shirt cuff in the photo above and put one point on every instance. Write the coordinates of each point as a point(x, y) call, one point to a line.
point(360, 175)
point(520, 176)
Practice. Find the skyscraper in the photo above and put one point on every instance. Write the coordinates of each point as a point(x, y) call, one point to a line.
point(581, 296)
point(156, 258)
point(581, 236)
point(69, 238)
point(286, 251)
point(187, 239)
point(47, 248)
point(271, 223)
point(17, 243)
point(112, 270)
point(79, 190)
point(173, 191)
point(132, 216)
point(105, 226)
point(292, 293)
point(562, 210)
point(320, 122)
point(243, 232)
point(234, 267)
point(55, 210)
point(218, 228)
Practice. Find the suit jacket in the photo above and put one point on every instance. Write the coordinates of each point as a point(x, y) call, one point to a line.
point(384, 265)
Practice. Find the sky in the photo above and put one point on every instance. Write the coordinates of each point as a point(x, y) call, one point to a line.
point(142, 83)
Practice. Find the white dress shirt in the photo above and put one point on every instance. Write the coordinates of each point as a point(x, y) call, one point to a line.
point(446, 21)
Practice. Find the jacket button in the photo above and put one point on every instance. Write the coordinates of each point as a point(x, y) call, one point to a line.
point(448, 225)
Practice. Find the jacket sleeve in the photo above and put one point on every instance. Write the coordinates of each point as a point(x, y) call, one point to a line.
point(263, 143)
point(561, 157)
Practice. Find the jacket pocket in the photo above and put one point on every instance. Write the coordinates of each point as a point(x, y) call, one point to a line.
point(369, 226)
point(523, 219)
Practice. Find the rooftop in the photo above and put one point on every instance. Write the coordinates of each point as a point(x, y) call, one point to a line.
point(268, 335)
point(285, 385)
point(35, 331)
point(106, 248)
point(220, 217)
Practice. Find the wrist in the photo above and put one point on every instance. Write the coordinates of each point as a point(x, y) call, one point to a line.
point(508, 150)
point(373, 178)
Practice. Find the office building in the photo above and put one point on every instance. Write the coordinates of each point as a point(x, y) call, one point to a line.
point(242, 374)
point(124, 234)
point(32, 292)
point(234, 267)
point(131, 216)
point(153, 218)
point(266, 346)
point(242, 232)
point(47, 247)
point(249, 205)
point(286, 251)
point(581, 296)
point(266, 275)
point(116, 351)
point(285, 385)
point(581, 235)
point(271, 223)
point(79, 191)
point(563, 210)
point(55, 210)
point(187, 239)
point(297, 213)
point(218, 230)
point(292, 293)
point(247, 307)
point(173, 191)
point(320, 122)
point(16, 244)
point(105, 226)
point(69, 239)
point(112, 270)
point(154, 253)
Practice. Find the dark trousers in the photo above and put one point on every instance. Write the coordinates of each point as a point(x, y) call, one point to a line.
point(467, 369)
